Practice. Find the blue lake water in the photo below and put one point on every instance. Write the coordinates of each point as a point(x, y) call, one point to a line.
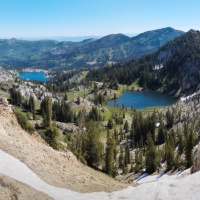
point(32, 76)
point(143, 99)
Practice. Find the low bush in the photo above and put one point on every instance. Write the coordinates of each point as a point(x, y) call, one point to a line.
point(24, 123)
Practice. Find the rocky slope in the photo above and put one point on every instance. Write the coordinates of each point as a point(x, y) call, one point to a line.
point(196, 165)
point(59, 175)
point(60, 169)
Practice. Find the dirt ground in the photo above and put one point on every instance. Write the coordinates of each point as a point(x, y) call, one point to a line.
point(59, 169)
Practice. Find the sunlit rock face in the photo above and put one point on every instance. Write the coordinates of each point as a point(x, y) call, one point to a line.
point(196, 164)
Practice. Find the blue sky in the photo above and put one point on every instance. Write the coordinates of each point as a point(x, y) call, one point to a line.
point(47, 18)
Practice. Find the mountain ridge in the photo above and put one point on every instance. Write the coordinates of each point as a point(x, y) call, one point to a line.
point(174, 68)
point(50, 54)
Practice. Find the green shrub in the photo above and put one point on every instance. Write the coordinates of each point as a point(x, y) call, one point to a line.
point(80, 157)
point(51, 135)
point(24, 123)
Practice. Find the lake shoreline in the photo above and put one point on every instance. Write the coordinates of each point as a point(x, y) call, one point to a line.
point(163, 99)
point(34, 76)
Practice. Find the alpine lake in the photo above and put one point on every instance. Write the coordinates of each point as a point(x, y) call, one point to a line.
point(142, 99)
point(131, 99)
point(32, 76)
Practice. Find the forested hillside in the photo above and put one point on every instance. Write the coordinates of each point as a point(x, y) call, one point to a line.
point(48, 54)
point(173, 68)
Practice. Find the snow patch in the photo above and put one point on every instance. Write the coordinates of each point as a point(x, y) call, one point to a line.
point(167, 187)
point(157, 67)
point(189, 96)
point(157, 124)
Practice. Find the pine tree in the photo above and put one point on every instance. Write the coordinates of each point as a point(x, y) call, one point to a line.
point(170, 118)
point(116, 136)
point(126, 127)
point(109, 154)
point(32, 106)
point(181, 145)
point(78, 100)
point(52, 134)
point(16, 97)
point(169, 152)
point(48, 112)
point(161, 134)
point(110, 123)
point(150, 155)
point(127, 155)
point(137, 162)
point(121, 134)
point(46, 109)
point(120, 159)
point(65, 97)
point(92, 146)
point(189, 142)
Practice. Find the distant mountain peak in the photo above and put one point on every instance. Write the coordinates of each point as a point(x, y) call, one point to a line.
point(69, 55)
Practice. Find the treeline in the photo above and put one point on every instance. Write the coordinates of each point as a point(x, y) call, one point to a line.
point(61, 111)
point(142, 145)
point(153, 145)
point(61, 81)
point(17, 99)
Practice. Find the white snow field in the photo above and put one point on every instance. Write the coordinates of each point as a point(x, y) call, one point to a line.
point(166, 187)
point(187, 97)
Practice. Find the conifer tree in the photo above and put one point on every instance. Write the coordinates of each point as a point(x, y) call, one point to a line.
point(116, 136)
point(52, 134)
point(32, 106)
point(169, 151)
point(150, 155)
point(16, 97)
point(127, 155)
point(110, 123)
point(78, 100)
point(189, 142)
point(137, 165)
point(170, 118)
point(65, 97)
point(120, 159)
point(48, 112)
point(109, 154)
point(126, 126)
point(121, 134)
point(92, 144)
point(46, 109)
point(161, 134)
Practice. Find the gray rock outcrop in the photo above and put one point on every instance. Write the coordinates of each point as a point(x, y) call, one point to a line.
point(3, 101)
point(196, 164)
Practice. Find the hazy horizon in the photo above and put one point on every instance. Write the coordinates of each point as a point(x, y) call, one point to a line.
point(65, 38)
point(52, 18)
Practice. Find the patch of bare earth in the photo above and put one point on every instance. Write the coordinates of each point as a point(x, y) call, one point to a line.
point(56, 168)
